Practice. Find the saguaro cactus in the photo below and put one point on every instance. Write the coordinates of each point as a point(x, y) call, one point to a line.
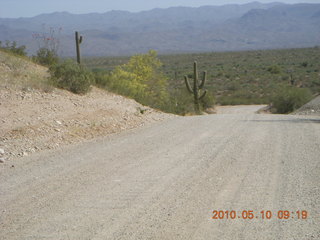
point(197, 88)
point(78, 42)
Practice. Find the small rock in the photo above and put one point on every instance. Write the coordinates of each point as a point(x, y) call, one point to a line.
point(1, 151)
point(58, 122)
point(2, 160)
point(22, 154)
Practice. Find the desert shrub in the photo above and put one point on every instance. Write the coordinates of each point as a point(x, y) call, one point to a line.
point(315, 86)
point(141, 79)
point(71, 76)
point(233, 86)
point(288, 99)
point(242, 96)
point(220, 74)
point(181, 102)
point(208, 101)
point(101, 79)
point(285, 78)
point(274, 69)
point(13, 48)
point(46, 57)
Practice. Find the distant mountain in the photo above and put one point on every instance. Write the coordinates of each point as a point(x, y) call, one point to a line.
point(178, 29)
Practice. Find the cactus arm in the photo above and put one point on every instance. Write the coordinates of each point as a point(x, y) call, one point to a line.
point(203, 95)
point(204, 78)
point(188, 84)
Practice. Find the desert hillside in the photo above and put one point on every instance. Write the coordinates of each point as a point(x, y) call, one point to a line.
point(35, 116)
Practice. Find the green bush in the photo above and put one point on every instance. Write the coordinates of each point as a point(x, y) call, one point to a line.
point(141, 79)
point(101, 79)
point(71, 76)
point(180, 102)
point(208, 101)
point(274, 69)
point(46, 57)
point(288, 99)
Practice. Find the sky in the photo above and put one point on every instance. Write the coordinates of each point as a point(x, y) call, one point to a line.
point(30, 8)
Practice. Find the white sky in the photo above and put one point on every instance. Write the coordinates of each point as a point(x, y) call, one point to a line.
point(29, 8)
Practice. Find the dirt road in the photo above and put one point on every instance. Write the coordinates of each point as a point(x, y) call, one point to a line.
point(165, 180)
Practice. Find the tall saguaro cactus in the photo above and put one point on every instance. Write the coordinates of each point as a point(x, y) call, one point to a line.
point(197, 91)
point(78, 42)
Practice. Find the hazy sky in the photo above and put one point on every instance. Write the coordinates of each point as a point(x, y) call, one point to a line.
point(28, 8)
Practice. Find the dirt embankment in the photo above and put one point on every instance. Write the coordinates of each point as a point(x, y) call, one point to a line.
point(33, 120)
point(34, 116)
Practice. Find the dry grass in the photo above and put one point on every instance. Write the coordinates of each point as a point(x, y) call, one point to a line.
point(20, 73)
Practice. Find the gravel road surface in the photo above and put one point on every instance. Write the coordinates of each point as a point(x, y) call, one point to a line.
point(164, 181)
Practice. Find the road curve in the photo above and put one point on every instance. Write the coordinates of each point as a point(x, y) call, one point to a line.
point(164, 181)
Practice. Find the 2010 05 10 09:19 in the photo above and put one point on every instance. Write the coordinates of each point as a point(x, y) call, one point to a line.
point(264, 214)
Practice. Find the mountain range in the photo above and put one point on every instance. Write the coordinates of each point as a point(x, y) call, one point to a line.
point(173, 30)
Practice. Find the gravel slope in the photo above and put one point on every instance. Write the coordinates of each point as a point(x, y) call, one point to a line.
point(32, 120)
point(163, 182)
point(311, 108)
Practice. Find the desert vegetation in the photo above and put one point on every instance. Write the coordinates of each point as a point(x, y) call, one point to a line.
point(285, 79)
point(142, 78)
point(71, 76)
point(250, 77)
point(12, 47)
point(46, 57)
point(289, 98)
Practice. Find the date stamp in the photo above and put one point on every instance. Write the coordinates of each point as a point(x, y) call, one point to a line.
point(264, 214)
